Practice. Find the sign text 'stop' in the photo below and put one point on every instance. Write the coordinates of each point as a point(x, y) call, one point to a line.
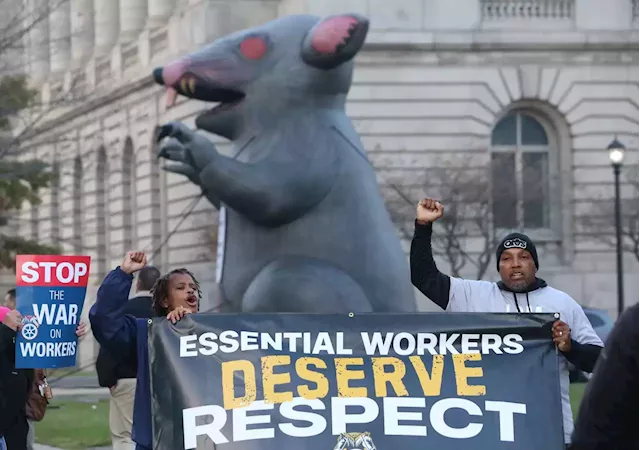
point(52, 270)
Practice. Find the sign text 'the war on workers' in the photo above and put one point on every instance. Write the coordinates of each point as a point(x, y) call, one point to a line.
point(50, 291)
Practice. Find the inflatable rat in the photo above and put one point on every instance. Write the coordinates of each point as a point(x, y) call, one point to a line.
point(303, 225)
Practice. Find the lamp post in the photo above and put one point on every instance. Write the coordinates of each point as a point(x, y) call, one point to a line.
point(616, 156)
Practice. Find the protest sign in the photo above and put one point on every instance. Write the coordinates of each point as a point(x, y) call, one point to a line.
point(50, 292)
point(371, 381)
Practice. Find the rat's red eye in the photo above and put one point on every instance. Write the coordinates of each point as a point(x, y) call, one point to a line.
point(253, 47)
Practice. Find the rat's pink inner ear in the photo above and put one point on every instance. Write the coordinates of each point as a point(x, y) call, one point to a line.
point(331, 33)
point(334, 40)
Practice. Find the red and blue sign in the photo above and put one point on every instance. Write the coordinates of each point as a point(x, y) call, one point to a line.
point(50, 293)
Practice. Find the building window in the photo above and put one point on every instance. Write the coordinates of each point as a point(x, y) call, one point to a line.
point(77, 205)
point(158, 207)
point(101, 211)
point(128, 194)
point(55, 204)
point(35, 231)
point(520, 173)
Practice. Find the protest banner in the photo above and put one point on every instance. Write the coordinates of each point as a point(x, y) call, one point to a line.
point(50, 292)
point(371, 381)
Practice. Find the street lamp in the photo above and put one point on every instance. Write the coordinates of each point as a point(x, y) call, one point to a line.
point(616, 156)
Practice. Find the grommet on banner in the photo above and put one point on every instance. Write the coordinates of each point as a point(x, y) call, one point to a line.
point(149, 321)
point(351, 314)
point(556, 315)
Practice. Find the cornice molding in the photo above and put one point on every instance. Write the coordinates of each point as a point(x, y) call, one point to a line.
point(90, 105)
point(500, 47)
point(501, 40)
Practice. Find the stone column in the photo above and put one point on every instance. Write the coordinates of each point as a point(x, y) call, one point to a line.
point(160, 11)
point(133, 15)
point(82, 34)
point(15, 58)
point(39, 41)
point(60, 33)
point(106, 25)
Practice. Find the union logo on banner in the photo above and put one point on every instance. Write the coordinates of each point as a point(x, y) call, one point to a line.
point(355, 441)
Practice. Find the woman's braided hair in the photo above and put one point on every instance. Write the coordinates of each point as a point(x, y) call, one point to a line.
point(160, 291)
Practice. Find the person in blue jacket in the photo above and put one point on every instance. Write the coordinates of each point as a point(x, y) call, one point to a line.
point(174, 295)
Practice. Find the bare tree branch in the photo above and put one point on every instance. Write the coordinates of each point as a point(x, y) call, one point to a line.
point(599, 220)
point(22, 175)
point(481, 201)
point(22, 19)
point(464, 188)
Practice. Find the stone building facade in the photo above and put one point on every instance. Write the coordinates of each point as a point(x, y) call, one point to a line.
point(546, 84)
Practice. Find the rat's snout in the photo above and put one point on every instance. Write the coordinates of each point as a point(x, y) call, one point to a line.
point(170, 74)
point(198, 78)
point(175, 77)
point(157, 75)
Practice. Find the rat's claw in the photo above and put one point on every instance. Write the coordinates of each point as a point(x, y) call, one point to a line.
point(180, 168)
point(176, 130)
point(172, 150)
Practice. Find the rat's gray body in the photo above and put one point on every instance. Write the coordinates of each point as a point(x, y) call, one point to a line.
point(305, 227)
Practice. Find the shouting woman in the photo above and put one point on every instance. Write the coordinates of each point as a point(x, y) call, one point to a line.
point(174, 295)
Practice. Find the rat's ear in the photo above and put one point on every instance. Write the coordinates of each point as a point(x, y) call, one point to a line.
point(334, 40)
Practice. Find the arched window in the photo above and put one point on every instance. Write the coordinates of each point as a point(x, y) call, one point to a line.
point(520, 172)
point(77, 205)
point(101, 211)
point(157, 205)
point(128, 195)
point(35, 229)
point(55, 203)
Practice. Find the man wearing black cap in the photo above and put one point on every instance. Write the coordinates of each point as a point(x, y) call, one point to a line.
point(518, 291)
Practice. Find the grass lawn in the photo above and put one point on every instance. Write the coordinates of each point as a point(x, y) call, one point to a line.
point(576, 391)
point(53, 374)
point(75, 425)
